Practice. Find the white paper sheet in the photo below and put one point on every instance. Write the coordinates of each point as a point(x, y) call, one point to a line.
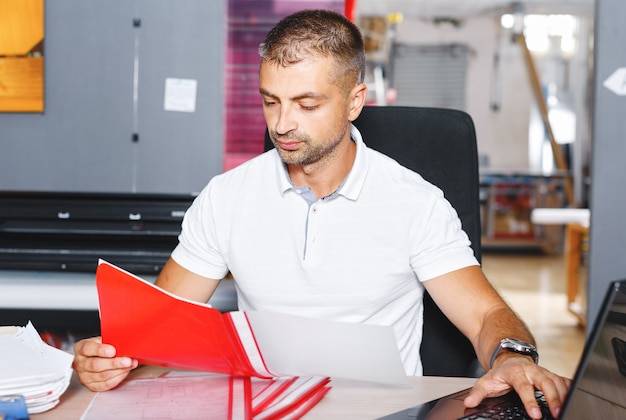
point(314, 347)
point(184, 397)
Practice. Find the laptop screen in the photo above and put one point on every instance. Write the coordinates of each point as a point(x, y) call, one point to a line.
point(599, 386)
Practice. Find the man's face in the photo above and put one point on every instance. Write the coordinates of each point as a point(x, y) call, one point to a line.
point(306, 115)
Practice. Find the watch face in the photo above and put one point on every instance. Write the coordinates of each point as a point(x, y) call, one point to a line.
point(519, 345)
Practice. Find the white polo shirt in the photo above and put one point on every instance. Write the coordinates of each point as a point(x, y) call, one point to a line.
point(359, 255)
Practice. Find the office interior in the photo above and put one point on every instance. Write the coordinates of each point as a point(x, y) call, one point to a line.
point(155, 98)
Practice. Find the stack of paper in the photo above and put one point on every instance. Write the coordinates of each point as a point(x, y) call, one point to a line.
point(32, 368)
point(189, 395)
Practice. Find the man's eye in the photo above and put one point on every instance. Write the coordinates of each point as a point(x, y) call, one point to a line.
point(269, 103)
point(309, 107)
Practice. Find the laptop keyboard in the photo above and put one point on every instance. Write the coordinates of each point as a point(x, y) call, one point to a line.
point(513, 412)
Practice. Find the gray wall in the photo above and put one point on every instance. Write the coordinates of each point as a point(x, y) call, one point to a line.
point(607, 255)
point(83, 140)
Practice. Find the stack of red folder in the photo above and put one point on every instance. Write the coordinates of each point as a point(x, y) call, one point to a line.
point(184, 394)
point(158, 328)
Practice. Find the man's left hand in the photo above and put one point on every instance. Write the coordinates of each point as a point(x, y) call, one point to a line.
point(522, 375)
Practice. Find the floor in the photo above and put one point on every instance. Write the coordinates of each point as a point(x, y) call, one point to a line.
point(534, 286)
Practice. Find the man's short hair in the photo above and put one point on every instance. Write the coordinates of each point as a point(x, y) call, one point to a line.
point(310, 33)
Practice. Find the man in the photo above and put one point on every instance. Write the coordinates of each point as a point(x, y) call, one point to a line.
point(324, 227)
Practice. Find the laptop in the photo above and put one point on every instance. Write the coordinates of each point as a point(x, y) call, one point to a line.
point(598, 390)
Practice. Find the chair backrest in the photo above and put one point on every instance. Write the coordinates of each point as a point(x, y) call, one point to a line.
point(439, 144)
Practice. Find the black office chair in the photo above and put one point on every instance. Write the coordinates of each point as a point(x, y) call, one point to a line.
point(439, 144)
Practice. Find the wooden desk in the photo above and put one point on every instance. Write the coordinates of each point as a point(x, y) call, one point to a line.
point(576, 223)
point(576, 247)
point(347, 399)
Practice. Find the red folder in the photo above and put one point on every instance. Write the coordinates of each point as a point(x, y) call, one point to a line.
point(158, 328)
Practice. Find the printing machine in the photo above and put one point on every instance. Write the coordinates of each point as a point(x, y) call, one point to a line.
point(50, 244)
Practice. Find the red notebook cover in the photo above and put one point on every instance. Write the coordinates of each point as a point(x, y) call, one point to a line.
point(158, 328)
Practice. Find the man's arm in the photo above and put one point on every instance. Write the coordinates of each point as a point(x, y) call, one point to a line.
point(178, 280)
point(97, 365)
point(476, 308)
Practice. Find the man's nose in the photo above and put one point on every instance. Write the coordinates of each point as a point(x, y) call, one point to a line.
point(285, 122)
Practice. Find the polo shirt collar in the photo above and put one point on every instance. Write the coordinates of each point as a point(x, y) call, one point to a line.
point(352, 185)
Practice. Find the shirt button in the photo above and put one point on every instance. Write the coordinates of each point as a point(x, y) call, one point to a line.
point(314, 209)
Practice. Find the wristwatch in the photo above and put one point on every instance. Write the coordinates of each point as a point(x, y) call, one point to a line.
point(517, 346)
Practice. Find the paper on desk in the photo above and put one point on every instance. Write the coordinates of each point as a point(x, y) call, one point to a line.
point(167, 398)
point(336, 349)
point(32, 368)
point(186, 395)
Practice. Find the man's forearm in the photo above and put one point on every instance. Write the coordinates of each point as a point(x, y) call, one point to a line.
point(498, 324)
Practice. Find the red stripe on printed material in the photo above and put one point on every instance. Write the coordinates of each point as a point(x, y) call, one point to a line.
point(249, 343)
point(240, 404)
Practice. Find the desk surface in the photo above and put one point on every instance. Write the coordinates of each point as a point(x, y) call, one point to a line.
point(346, 399)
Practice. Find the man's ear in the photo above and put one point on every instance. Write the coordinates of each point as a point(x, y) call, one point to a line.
point(358, 95)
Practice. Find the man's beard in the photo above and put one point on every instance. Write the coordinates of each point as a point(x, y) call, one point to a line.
point(307, 153)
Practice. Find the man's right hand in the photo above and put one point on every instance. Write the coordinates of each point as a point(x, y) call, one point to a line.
point(97, 367)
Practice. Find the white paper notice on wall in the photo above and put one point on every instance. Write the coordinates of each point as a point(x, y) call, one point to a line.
point(180, 95)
